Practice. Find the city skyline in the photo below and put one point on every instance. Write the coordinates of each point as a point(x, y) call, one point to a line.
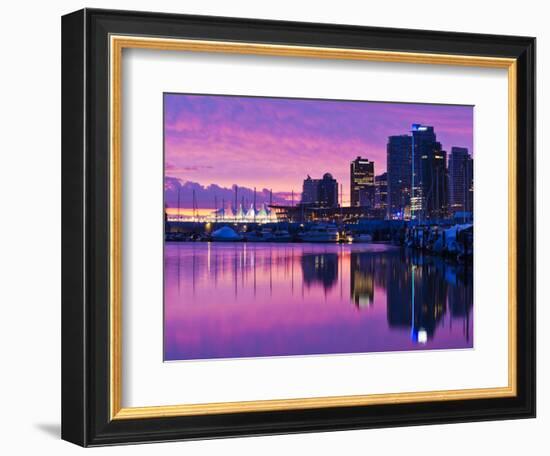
point(298, 137)
point(297, 227)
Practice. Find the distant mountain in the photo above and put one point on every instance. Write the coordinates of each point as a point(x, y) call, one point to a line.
point(206, 195)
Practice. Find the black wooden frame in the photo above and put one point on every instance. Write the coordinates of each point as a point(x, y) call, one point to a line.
point(85, 224)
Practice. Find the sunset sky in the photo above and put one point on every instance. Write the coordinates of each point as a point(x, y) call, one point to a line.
point(274, 143)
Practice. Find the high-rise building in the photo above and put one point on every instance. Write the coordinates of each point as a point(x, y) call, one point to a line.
point(399, 151)
point(417, 175)
point(328, 191)
point(381, 191)
point(320, 192)
point(461, 181)
point(429, 175)
point(362, 182)
point(310, 190)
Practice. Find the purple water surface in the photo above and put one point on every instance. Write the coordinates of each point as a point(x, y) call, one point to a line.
point(231, 300)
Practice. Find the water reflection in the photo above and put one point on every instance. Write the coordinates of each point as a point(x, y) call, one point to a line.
point(320, 268)
point(241, 300)
point(363, 275)
point(419, 289)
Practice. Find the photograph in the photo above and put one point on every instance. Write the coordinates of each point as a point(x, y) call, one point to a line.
point(297, 226)
point(284, 224)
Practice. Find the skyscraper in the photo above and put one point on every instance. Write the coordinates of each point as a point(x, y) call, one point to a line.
point(310, 190)
point(429, 175)
point(399, 150)
point(320, 192)
point(362, 182)
point(328, 191)
point(381, 191)
point(435, 184)
point(461, 180)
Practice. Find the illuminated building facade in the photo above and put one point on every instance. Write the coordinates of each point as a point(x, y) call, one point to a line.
point(381, 192)
point(429, 198)
point(362, 187)
point(398, 150)
point(320, 192)
point(461, 180)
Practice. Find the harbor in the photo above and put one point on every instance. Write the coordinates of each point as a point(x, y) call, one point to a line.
point(420, 202)
point(323, 227)
point(446, 238)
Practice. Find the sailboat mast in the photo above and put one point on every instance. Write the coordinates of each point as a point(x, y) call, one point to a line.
point(254, 208)
point(270, 212)
point(341, 200)
point(179, 198)
point(194, 206)
point(292, 204)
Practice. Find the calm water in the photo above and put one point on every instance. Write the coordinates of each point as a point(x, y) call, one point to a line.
point(226, 300)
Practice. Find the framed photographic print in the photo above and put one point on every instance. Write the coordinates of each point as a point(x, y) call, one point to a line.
point(278, 227)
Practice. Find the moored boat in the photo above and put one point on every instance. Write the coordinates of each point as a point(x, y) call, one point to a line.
point(320, 233)
point(362, 238)
point(226, 234)
point(281, 236)
point(265, 235)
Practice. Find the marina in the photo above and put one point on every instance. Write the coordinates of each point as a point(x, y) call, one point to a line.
point(446, 238)
point(298, 236)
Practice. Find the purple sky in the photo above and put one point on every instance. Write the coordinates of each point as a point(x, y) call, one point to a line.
point(273, 143)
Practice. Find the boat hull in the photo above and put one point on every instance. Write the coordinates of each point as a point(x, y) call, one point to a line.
point(319, 238)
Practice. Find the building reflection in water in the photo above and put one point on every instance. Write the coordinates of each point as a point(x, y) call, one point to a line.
point(429, 299)
point(419, 289)
point(320, 268)
point(397, 300)
point(362, 277)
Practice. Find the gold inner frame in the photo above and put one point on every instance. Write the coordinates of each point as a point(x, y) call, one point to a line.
point(117, 44)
